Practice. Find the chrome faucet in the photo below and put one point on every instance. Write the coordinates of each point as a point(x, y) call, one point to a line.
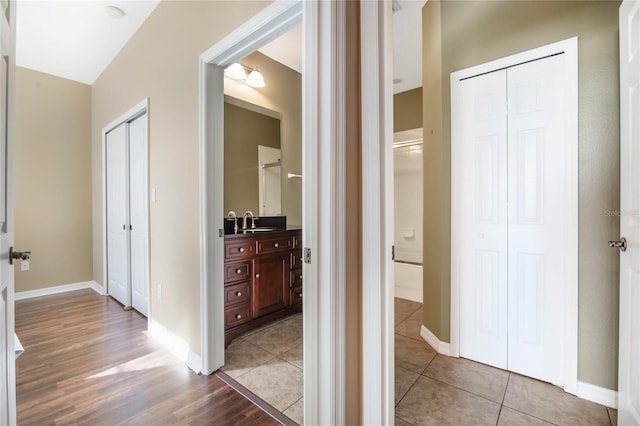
point(232, 216)
point(244, 220)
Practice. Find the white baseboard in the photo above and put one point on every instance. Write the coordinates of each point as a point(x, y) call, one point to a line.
point(443, 348)
point(593, 393)
point(177, 346)
point(21, 295)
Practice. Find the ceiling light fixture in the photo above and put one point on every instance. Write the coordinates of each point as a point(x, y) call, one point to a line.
point(237, 71)
point(115, 12)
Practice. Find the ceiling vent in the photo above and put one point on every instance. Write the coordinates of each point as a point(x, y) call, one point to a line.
point(396, 6)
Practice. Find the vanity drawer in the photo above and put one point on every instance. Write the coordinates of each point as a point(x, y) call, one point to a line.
point(296, 295)
point(241, 248)
point(237, 293)
point(296, 278)
point(237, 271)
point(237, 315)
point(273, 245)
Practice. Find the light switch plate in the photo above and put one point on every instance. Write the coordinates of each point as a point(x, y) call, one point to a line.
point(24, 265)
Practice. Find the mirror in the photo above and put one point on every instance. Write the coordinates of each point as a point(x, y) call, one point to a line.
point(252, 159)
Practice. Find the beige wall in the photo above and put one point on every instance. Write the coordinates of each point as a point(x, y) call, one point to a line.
point(161, 62)
point(244, 130)
point(471, 35)
point(283, 93)
point(407, 110)
point(53, 179)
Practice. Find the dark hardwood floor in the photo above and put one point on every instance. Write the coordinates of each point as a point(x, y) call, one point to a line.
point(87, 361)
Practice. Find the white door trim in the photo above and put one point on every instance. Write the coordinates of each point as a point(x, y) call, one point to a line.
point(139, 109)
point(377, 214)
point(323, 195)
point(570, 49)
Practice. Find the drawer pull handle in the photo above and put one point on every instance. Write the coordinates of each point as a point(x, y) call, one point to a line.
point(238, 316)
point(238, 271)
point(257, 275)
point(238, 293)
point(275, 245)
point(300, 295)
point(300, 276)
point(241, 249)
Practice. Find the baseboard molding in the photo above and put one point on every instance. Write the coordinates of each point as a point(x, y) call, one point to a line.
point(177, 346)
point(593, 393)
point(21, 295)
point(443, 348)
point(408, 293)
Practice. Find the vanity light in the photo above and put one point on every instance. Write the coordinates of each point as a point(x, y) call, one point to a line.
point(237, 71)
point(255, 79)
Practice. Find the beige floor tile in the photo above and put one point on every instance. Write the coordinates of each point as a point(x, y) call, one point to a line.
point(276, 339)
point(474, 377)
point(242, 356)
point(430, 402)
point(411, 326)
point(294, 355)
point(294, 321)
point(296, 412)
point(404, 308)
point(400, 422)
point(509, 417)
point(412, 355)
point(551, 403)
point(277, 382)
point(613, 416)
point(404, 380)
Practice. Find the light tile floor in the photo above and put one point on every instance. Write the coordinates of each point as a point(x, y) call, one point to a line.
point(433, 389)
point(268, 362)
point(430, 389)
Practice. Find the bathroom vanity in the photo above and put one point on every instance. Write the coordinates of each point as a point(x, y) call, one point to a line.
point(262, 277)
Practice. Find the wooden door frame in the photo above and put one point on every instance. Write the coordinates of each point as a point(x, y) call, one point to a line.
point(136, 111)
point(324, 180)
point(570, 357)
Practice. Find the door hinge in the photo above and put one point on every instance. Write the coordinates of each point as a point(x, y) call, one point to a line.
point(307, 255)
point(393, 252)
point(221, 233)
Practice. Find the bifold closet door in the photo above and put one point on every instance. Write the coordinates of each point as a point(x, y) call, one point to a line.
point(509, 176)
point(537, 203)
point(118, 214)
point(480, 179)
point(139, 214)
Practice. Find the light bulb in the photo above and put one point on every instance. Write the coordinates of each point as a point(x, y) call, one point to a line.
point(255, 79)
point(235, 71)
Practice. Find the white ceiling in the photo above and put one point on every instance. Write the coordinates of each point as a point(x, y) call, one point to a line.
point(78, 39)
point(75, 39)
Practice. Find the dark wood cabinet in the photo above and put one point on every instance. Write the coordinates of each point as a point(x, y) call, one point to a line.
point(263, 279)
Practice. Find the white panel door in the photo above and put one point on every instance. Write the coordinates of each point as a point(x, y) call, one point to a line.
point(7, 355)
point(479, 179)
point(118, 215)
point(536, 193)
point(139, 209)
point(629, 350)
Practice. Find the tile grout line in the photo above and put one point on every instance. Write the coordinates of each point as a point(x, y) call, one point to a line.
point(461, 389)
point(504, 395)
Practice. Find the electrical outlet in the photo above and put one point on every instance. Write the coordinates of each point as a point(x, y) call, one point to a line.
point(24, 265)
point(159, 291)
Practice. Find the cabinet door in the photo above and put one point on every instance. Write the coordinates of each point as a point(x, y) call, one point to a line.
point(270, 284)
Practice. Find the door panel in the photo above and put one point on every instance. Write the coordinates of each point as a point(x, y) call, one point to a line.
point(270, 284)
point(536, 141)
point(479, 172)
point(629, 332)
point(117, 215)
point(7, 78)
point(138, 173)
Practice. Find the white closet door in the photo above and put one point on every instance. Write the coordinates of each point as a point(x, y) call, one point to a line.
point(139, 214)
point(117, 215)
point(479, 179)
point(537, 204)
